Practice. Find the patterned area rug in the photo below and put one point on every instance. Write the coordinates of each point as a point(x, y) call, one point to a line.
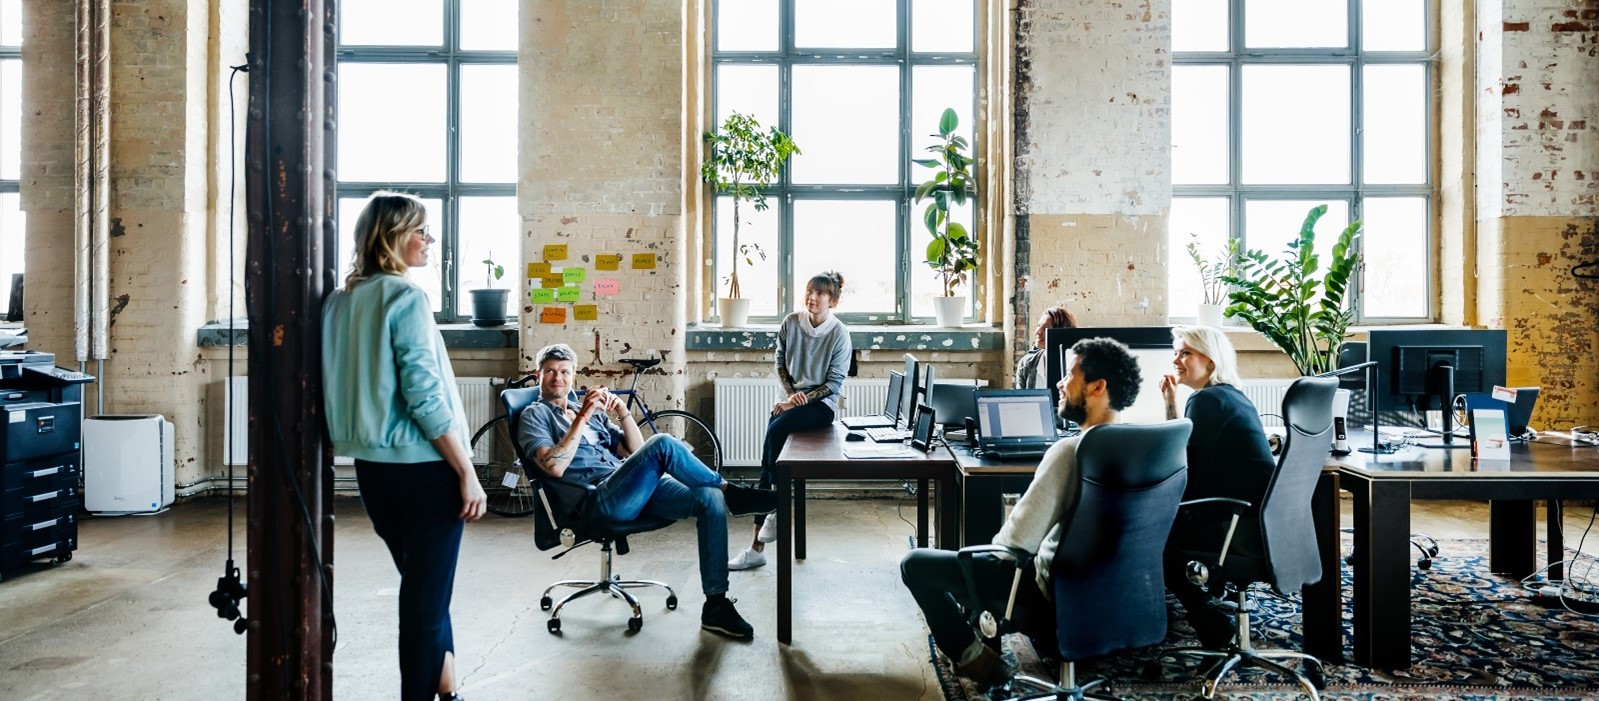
point(1476, 636)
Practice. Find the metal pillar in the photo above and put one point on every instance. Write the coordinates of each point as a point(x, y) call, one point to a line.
point(289, 182)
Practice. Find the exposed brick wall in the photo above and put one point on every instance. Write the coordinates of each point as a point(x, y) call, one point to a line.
point(600, 164)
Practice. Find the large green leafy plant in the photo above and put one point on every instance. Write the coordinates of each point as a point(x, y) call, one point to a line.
point(1290, 301)
point(743, 159)
point(953, 252)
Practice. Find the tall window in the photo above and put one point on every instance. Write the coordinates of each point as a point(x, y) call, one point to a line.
point(13, 234)
point(859, 85)
point(1280, 106)
point(427, 96)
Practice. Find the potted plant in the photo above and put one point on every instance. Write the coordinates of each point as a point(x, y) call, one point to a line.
point(743, 159)
point(1213, 288)
point(488, 303)
point(1294, 304)
point(952, 253)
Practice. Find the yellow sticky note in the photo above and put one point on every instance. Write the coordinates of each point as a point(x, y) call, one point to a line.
point(537, 269)
point(568, 293)
point(541, 295)
point(586, 312)
point(608, 261)
point(643, 261)
point(553, 315)
point(555, 251)
point(572, 274)
point(553, 281)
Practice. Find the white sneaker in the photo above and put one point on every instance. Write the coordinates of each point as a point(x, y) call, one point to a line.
point(768, 532)
point(748, 558)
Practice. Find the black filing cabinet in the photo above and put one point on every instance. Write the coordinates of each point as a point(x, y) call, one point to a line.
point(42, 458)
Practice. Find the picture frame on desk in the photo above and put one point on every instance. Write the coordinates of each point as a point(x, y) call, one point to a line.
point(922, 434)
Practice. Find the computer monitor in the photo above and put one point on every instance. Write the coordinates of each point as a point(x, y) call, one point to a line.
point(14, 310)
point(907, 394)
point(1152, 345)
point(896, 385)
point(954, 401)
point(1420, 370)
point(924, 391)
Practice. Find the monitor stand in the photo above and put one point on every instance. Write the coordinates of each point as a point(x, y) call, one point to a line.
point(1444, 377)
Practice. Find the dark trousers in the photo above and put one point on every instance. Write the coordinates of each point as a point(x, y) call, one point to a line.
point(935, 580)
point(801, 418)
point(415, 509)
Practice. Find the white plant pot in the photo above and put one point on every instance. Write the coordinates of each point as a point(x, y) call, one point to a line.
point(735, 313)
point(1210, 314)
point(951, 311)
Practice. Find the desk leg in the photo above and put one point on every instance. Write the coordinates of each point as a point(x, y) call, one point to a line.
point(799, 519)
point(1323, 605)
point(1382, 574)
point(921, 512)
point(1557, 545)
point(1512, 537)
point(948, 506)
point(785, 565)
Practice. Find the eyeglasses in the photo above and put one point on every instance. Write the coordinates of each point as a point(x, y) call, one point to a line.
point(426, 232)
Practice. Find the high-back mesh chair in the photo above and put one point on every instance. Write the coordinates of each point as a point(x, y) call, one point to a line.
point(1108, 587)
point(1275, 543)
point(563, 515)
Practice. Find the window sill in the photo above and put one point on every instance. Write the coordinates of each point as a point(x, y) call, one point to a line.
point(456, 336)
point(971, 337)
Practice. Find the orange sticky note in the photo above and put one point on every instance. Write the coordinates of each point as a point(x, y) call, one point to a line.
point(608, 261)
point(537, 269)
point(553, 315)
point(555, 251)
point(586, 312)
point(643, 261)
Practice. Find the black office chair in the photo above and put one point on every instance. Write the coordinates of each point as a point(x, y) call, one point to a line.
point(1108, 589)
point(563, 515)
point(1274, 544)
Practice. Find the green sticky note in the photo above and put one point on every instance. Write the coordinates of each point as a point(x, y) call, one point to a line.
point(541, 295)
point(570, 293)
point(571, 275)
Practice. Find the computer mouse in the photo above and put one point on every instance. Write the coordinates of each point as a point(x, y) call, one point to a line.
point(854, 436)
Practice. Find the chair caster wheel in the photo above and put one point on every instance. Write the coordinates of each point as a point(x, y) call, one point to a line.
point(545, 603)
point(554, 625)
point(671, 603)
point(1424, 564)
point(635, 624)
point(1317, 679)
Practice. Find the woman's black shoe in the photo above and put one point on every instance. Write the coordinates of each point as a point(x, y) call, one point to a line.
point(743, 501)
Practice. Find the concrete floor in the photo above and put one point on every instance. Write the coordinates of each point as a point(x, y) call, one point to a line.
point(127, 618)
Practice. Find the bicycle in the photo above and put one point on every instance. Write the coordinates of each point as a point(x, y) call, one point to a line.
point(502, 474)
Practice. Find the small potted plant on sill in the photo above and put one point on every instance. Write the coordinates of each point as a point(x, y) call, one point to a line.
point(488, 303)
point(1213, 286)
point(743, 159)
point(953, 252)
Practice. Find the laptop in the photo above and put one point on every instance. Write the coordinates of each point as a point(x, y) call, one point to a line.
point(1014, 423)
point(1517, 413)
point(890, 413)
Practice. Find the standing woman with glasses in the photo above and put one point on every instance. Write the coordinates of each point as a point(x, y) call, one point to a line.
point(813, 351)
point(390, 400)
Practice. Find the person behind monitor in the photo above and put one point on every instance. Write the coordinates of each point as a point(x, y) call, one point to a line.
point(1227, 457)
point(1103, 380)
point(1030, 368)
point(812, 358)
point(599, 443)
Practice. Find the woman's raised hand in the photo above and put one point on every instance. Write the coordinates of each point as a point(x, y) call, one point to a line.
point(1168, 389)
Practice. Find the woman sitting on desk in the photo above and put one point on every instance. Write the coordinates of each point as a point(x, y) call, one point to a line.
point(812, 358)
point(1227, 457)
point(1030, 369)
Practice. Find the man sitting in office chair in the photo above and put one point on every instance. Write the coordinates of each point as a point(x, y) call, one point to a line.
point(1103, 380)
point(598, 442)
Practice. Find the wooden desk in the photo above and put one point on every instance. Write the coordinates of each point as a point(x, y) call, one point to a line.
point(1383, 487)
point(819, 454)
point(981, 482)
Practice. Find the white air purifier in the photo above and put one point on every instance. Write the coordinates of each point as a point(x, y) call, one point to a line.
point(127, 463)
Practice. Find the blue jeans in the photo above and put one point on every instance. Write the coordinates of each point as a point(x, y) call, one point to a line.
point(663, 479)
point(801, 418)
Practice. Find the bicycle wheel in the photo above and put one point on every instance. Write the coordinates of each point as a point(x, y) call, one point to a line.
point(690, 429)
point(498, 470)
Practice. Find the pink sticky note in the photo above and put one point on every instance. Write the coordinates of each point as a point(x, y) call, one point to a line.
point(607, 287)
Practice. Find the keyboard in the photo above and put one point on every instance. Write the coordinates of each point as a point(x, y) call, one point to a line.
point(887, 434)
point(867, 421)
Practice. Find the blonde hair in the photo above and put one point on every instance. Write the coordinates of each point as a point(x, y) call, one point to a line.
point(381, 233)
point(1211, 342)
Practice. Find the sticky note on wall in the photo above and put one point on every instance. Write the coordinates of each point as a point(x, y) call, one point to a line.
point(535, 270)
point(552, 280)
point(569, 293)
point(574, 274)
point(541, 295)
point(586, 312)
point(555, 251)
point(553, 315)
point(607, 287)
point(608, 261)
point(643, 261)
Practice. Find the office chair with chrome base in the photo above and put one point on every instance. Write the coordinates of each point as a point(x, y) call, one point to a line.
point(563, 515)
point(1274, 544)
point(1106, 575)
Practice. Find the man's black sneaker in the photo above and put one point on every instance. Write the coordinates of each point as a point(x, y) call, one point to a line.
point(721, 618)
point(743, 501)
